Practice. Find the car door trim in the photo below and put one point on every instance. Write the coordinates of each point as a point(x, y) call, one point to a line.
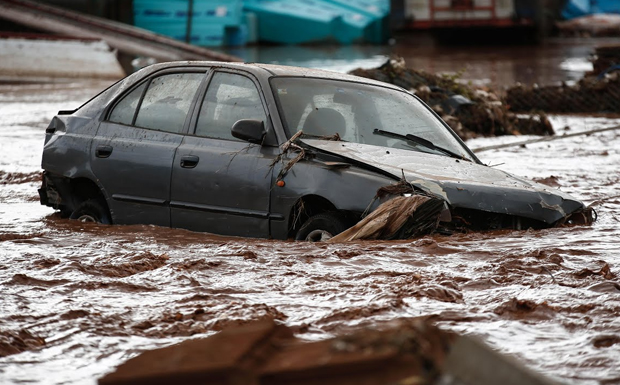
point(192, 206)
point(226, 210)
point(136, 199)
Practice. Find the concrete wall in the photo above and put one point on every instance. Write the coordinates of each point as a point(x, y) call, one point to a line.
point(28, 58)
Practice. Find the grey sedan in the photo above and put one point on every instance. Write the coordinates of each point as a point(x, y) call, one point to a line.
point(271, 151)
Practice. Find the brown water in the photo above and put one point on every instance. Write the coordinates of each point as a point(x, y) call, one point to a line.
point(78, 299)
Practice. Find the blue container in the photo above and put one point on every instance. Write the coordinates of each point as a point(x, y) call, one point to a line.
point(378, 31)
point(576, 8)
point(250, 21)
point(607, 6)
point(209, 19)
point(350, 27)
point(236, 36)
point(290, 22)
point(227, 12)
point(307, 21)
point(208, 35)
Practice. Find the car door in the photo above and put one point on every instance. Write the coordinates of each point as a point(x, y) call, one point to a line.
point(134, 148)
point(221, 184)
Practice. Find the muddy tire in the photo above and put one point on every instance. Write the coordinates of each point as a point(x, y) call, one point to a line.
point(322, 227)
point(91, 211)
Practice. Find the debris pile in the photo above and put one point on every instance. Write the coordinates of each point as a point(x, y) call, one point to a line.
point(591, 25)
point(606, 58)
point(409, 352)
point(469, 112)
point(597, 92)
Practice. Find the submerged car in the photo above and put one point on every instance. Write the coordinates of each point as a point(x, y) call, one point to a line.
point(272, 151)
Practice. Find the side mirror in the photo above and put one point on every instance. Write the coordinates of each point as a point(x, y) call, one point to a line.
point(250, 130)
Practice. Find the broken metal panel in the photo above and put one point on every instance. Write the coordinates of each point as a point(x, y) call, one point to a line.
point(348, 189)
point(461, 183)
point(66, 150)
point(543, 206)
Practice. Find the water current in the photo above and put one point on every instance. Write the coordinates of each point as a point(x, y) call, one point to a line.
point(78, 299)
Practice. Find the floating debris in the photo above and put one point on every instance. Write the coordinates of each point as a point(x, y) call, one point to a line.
point(402, 217)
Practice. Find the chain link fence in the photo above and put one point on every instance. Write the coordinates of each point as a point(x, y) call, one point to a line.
point(589, 95)
point(597, 92)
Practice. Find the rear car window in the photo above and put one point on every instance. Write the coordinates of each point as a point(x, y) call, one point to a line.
point(125, 110)
point(164, 105)
point(167, 101)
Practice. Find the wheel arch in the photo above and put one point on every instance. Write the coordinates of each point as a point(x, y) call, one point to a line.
point(74, 191)
point(84, 188)
point(308, 206)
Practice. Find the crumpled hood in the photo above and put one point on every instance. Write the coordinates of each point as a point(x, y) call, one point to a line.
point(461, 183)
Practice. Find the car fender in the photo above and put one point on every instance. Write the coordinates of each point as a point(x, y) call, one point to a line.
point(67, 150)
point(347, 187)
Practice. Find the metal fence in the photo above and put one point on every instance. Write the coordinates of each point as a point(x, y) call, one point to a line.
point(599, 94)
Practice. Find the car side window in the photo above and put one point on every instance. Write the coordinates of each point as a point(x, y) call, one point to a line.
point(125, 110)
point(229, 98)
point(167, 100)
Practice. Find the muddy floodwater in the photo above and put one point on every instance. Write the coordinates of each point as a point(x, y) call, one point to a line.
point(78, 299)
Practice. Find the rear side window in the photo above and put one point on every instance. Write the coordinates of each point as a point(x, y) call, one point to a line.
point(167, 100)
point(163, 107)
point(125, 110)
point(229, 98)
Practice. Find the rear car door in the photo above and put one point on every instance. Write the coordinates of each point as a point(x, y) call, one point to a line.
point(133, 150)
point(221, 184)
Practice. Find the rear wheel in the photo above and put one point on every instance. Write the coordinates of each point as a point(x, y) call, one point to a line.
point(91, 211)
point(321, 227)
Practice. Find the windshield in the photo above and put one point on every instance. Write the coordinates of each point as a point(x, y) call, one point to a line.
point(361, 113)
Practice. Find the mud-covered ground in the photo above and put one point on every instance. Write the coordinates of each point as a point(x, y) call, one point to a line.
point(78, 299)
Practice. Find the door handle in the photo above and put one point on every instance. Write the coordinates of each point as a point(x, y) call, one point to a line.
point(189, 161)
point(103, 151)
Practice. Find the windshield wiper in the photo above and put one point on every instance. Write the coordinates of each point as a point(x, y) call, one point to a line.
point(421, 141)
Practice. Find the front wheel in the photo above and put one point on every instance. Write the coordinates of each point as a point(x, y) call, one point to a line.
point(91, 211)
point(321, 227)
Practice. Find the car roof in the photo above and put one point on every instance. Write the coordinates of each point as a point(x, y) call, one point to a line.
point(269, 70)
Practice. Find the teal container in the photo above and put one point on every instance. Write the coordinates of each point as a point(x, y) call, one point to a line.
point(210, 18)
point(227, 12)
point(290, 22)
point(307, 21)
point(349, 27)
point(208, 35)
point(251, 23)
point(378, 32)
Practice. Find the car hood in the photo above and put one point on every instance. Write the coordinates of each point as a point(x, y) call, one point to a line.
point(461, 183)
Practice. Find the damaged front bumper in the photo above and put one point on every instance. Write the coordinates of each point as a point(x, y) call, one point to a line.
point(407, 211)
